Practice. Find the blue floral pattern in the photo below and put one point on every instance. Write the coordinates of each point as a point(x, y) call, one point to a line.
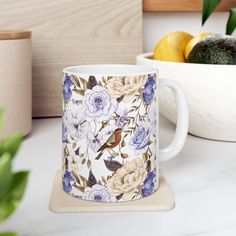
point(64, 132)
point(140, 139)
point(109, 137)
point(148, 185)
point(149, 89)
point(67, 181)
point(67, 92)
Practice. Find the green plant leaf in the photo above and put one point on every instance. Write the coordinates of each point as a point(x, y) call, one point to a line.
point(11, 200)
point(1, 118)
point(231, 23)
point(208, 7)
point(8, 234)
point(11, 144)
point(5, 174)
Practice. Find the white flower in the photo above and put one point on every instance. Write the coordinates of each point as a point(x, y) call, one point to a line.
point(77, 126)
point(98, 104)
point(74, 159)
point(94, 142)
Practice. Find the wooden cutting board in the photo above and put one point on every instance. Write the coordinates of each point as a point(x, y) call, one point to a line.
point(73, 32)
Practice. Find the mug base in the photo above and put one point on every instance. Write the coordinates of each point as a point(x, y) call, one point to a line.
point(160, 200)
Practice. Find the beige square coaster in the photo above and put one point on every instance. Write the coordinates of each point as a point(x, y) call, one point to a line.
point(62, 202)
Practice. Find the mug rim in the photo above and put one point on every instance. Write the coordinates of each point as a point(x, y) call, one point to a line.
point(110, 70)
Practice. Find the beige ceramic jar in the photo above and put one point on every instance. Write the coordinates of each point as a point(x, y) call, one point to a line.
point(16, 81)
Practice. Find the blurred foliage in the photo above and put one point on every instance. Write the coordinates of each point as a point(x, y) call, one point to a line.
point(231, 23)
point(12, 184)
point(208, 8)
point(9, 234)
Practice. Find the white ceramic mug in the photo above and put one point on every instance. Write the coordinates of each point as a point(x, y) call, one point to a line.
point(110, 131)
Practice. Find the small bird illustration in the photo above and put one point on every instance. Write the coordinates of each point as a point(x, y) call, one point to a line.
point(112, 141)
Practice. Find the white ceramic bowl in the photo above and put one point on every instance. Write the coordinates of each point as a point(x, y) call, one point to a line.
point(210, 91)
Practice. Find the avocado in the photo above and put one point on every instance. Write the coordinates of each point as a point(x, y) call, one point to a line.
point(215, 49)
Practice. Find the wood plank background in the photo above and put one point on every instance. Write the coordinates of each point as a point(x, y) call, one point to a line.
point(182, 5)
point(73, 32)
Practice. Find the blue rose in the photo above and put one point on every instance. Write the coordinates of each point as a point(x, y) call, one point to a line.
point(140, 139)
point(149, 92)
point(148, 184)
point(67, 93)
point(67, 181)
point(98, 104)
point(97, 193)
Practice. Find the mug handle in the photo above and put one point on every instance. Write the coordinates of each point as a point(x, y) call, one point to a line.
point(182, 123)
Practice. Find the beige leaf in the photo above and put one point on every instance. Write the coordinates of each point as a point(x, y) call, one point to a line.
point(104, 179)
point(89, 164)
point(76, 80)
point(123, 143)
point(76, 177)
point(80, 92)
point(80, 188)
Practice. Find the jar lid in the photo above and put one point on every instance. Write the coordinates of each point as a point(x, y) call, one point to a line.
point(8, 34)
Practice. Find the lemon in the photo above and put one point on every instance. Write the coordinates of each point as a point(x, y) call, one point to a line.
point(172, 47)
point(193, 42)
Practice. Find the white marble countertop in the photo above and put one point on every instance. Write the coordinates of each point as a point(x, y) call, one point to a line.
point(202, 178)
